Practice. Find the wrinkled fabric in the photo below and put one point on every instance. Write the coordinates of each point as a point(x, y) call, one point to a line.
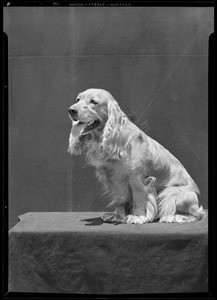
point(75, 252)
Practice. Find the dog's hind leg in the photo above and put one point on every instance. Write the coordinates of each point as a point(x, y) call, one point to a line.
point(178, 204)
point(189, 205)
point(177, 218)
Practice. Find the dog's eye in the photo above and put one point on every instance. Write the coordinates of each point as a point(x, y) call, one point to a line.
point(78, 99)
point(93, 101)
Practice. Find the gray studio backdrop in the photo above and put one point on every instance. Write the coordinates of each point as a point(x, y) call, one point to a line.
point(153, 60)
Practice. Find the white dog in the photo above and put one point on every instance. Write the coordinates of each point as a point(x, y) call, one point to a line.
point(146, 182)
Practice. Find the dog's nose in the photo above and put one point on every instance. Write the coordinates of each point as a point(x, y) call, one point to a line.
point(72, 112)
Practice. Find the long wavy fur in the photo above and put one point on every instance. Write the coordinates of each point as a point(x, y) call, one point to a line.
point(145, 181)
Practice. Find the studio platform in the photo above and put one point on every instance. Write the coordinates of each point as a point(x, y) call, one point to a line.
point(75, 252)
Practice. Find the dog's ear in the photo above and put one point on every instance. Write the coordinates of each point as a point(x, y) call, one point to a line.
point(115, 119)
point(115, 137)
point(76, 144)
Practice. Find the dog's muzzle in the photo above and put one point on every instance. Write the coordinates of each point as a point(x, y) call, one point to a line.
point(73, 113)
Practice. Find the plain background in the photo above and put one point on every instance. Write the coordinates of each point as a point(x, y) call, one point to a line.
point(154, 61)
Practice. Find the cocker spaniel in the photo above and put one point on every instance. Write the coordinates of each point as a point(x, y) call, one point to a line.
point(145, 181)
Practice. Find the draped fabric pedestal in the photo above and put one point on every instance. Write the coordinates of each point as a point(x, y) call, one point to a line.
point(75, 252)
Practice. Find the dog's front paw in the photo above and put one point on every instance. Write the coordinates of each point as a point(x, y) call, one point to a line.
point(110, 217)
point(131, 219)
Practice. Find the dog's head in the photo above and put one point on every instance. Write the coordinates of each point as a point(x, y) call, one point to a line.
point(90, 112)
point(95, 115)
